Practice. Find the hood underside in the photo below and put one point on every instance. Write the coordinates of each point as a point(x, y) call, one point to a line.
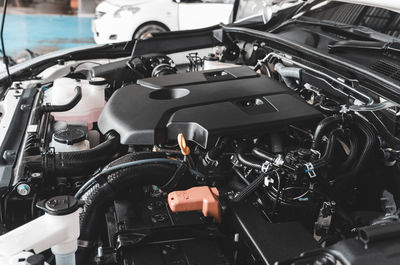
point(386, 4)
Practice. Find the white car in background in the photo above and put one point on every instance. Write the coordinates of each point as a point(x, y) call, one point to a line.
point(123, 20)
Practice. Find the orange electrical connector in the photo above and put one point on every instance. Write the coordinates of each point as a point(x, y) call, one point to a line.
point(202, 198)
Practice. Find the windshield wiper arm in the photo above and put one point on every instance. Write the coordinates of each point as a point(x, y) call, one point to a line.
point(389, 47)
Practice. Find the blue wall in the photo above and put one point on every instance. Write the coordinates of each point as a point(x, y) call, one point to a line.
point(44, 33)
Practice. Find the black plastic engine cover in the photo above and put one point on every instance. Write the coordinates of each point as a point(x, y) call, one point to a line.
point(202, 105)
point(269, 242)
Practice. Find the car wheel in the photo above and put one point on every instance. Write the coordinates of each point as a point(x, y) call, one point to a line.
point(146, 31)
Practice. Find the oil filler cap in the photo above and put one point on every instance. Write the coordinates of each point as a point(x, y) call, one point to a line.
point(60, 205)
point(69, 136)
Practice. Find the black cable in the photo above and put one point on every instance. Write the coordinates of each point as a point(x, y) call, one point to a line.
point(242, 177)
point(108, 171)
point(250, 189)
point(279, 188)
point(5, 58)
point(285, 200)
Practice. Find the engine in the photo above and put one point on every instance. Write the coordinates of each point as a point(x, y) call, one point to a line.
point(228, 165)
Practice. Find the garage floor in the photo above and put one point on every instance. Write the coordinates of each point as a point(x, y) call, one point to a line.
point(45, 33)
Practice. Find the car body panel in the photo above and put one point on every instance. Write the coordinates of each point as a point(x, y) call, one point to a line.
point(199, 15)
point(174, 16)
point(125, 26)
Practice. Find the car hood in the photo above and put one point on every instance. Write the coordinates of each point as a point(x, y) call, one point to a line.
point(386, 4)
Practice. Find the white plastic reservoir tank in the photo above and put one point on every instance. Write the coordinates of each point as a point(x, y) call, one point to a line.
point(69, 140)
point(89, 107)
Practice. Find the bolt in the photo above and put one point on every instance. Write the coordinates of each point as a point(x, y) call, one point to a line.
point(100, 256)
point(60, 61)
point(236, 238)
point(36, 175)
point(9, 155)
point(23, 189)
point(25, 107)
point(100, 252)
point(52, 203)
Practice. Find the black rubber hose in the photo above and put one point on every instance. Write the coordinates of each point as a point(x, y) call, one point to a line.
point(61, 108)
point(328, 155)
point(379, 232)
point(245, 160)
point(136, 156)
point(392, 140)
point(102, 192)
point(370, 139)
point(258, 152)
point(250, 189)
point(355, 148)
point(76, 163)
point(323, 128)
point(278, 192)
point(83, 162)
point(99, 194)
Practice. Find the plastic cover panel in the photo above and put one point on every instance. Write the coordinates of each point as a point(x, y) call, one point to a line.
point(202, 106)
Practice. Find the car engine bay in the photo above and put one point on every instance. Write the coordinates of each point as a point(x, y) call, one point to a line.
point(250, 157)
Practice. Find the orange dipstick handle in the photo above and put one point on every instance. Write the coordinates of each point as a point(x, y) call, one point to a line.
point(182, 144)
point(202, 198)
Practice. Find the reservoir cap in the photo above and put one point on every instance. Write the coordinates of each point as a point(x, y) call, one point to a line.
point(35, 260)
point(69, 136)
point(60, 205)
point(97, 81)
